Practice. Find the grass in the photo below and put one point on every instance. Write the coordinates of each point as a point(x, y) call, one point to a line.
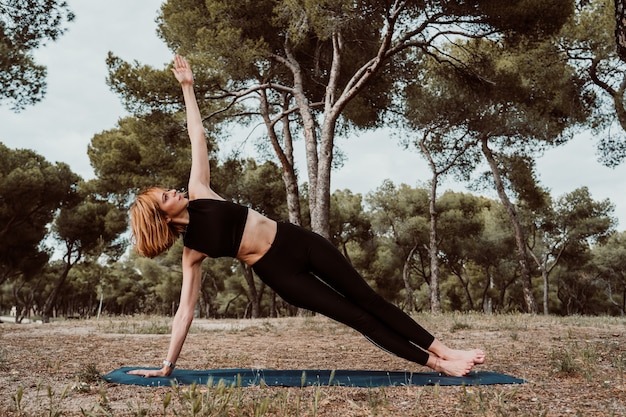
point(159, 325)
point(134, 326)
point(89, 374)
point(225, 400)
point(573, 365)
point(4, 365)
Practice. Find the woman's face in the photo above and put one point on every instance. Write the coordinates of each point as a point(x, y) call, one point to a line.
point(171, 202)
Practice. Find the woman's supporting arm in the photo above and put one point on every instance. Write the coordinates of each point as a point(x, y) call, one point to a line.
point(192, 277)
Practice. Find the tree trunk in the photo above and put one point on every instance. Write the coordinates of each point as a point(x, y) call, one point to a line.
point(433, 248)
point(624, 300)
point(546, 291)
point(290, 178)
point(406, 277)
point(461, 274)
point(320, 217)
point(273, 305)
point(225, 314)
point(487, 300)
point(308, 128)
point(520, 241)
point(319, 164)
point(49, 304)
point(545, 275)
point(101, 291)
point(255, 300)
point(285, 156)
point(620, 28)
point(616, 95)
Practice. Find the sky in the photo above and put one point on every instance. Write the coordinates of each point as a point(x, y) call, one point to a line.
point(79, 104)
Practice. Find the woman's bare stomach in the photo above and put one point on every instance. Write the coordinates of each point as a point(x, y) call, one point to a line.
point(257, 239)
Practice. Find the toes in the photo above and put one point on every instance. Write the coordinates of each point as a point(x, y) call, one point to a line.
point(479, 356)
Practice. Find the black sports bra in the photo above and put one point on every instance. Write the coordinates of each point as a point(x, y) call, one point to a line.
point(215, 227)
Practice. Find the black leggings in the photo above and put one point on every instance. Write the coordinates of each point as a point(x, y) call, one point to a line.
point(306, 270)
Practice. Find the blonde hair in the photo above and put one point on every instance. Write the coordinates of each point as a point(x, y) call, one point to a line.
point(152, 234)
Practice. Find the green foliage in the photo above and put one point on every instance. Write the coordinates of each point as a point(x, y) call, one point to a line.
point(526, 86)
point(32, 188)
point(322, 67)
point(519, 93)
point(31, 191)
point(140, 153)
point(89, 225)
point(250, 183)
point(610, 261)
point(348, 220)
point(589, 39)
point(88, 228)
point(564, 232)
point(399, 218)
point(530, 17)
point(275, 36)
point(207, 31)
point(25, 25)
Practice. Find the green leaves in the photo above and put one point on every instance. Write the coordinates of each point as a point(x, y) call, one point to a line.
point(31, 190)
point(25, 25)
point(140, 153)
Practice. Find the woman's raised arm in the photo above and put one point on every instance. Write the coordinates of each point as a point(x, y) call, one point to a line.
point(200, 176)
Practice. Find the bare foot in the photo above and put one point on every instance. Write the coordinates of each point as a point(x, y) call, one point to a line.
point(451, 367)
point(477, 356)
point(456, 359)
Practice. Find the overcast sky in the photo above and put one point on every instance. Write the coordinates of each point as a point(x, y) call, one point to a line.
point(79, 104)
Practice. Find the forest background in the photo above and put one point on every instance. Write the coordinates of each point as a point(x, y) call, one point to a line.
point(483, 88)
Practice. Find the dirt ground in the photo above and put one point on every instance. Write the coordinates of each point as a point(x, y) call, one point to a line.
point(574, 366)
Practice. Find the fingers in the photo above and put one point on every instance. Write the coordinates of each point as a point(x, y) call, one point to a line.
point(136, 372)
point(144, 372)
point(180, 62)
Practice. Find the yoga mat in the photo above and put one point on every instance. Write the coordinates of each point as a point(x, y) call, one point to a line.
point(306, 377)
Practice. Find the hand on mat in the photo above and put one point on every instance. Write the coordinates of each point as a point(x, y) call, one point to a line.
point(148, 373)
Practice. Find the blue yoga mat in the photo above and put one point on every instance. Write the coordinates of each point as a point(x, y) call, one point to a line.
point(306, 377)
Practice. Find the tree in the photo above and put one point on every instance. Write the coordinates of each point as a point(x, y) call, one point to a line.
point(519, 99)
point(316, 67)
point(122, 288)
point(348, 222)
point(610, 259)
point(399, 217)
point(31, 191)
point(493, 254)
point(542, 107)
point(140, 153)
point(620, 28)
point(575, 219)
point(434, 108)
point(460, 224)
point(593, 40)
point(88, 225)
point(26, 25)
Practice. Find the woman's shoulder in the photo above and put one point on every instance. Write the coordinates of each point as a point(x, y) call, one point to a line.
point(203, 193)
point(205, 202)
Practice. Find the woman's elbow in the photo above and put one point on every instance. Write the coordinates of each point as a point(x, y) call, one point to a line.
point(185, 314)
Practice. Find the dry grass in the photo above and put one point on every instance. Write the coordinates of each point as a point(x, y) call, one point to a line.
point(573, 365)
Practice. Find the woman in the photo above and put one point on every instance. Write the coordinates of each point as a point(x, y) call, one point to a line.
point(301, 266)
